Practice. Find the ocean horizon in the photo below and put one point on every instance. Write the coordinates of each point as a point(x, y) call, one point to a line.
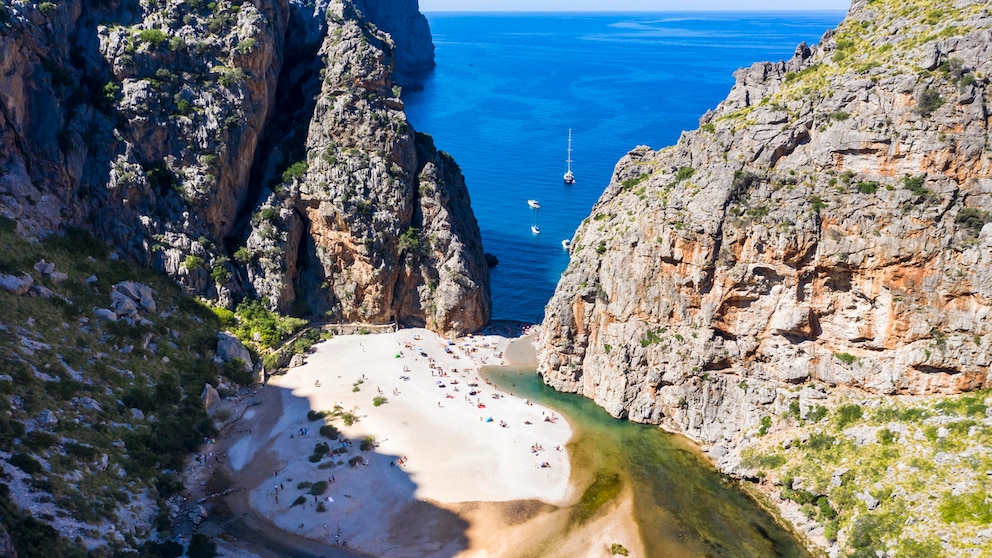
point(509, 86)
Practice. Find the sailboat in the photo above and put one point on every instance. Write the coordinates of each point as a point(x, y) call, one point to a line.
point(535, 205)
point(569, 178)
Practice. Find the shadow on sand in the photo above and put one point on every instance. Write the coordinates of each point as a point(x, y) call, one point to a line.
point(395, 522)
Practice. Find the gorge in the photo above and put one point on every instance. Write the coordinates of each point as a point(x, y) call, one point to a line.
point(801, 285)
point(823, 235)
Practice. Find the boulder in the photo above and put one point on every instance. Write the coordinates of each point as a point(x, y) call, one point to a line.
point(48, 418)
point(147, 301)
point(122, 304)
point(44, 268)
point(137, 292)
point(105, 314)
point(230, 347)
point(90, 404)
point(297, 360)
point(41, 291)
point(209, 396)
point(16, 285)
point(128, 288)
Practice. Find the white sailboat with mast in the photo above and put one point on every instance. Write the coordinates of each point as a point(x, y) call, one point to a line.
point(569, 178)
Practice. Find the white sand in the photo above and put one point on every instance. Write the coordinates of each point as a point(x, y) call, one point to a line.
point(453, 454)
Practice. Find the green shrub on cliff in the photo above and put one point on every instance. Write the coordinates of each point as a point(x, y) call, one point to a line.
point(229, 77)
point(259, 326)
point(973, 219)
point(192, 263)
point(410, 240)
point(929, 101)
point(915, 185)
point(295, 171)
point(153, 37)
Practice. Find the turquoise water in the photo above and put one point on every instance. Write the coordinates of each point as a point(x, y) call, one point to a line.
point(682, 506)
point(508, 87)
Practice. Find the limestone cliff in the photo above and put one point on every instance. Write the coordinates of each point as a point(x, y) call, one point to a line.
point(410, 32)
point(373, 225)
point(165, 127)
point(827, 224)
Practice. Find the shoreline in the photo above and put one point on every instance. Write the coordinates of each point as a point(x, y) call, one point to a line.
point(500, 454)
point(383, 509)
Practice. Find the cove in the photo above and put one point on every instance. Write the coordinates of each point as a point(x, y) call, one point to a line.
point(682, 506)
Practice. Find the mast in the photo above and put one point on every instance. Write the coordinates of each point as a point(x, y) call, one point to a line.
point(569, 160)
point(569, 178)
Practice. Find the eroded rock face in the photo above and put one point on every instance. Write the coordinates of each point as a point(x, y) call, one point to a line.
point(377, 225)
point(176, 131)
point(410, 33)
point(826, 224)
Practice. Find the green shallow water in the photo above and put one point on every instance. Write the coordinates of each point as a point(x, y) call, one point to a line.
point(682, 505)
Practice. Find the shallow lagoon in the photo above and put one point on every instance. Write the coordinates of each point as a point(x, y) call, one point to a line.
point(682, 505)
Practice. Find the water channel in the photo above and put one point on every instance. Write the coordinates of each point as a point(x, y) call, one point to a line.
point(682, 505)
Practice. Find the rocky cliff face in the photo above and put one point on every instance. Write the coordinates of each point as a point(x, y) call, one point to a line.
point(374, 224)
point(182, 132)
point(410, 32)
point(827, 224)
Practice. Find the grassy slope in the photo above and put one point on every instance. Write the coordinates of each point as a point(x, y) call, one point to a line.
point(926, 460)
point(98, 465)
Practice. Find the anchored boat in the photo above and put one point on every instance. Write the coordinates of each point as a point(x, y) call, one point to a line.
point(534, 205)
point(569, 178)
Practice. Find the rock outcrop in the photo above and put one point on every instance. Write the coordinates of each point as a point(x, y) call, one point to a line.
point(372, 224)
point(181, 132)
point(827, 224)
point(410, 32)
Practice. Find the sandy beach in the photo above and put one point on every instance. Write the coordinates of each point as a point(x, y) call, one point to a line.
point(444, 440)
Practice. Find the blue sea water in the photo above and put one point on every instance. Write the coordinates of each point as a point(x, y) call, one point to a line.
point(508, 87)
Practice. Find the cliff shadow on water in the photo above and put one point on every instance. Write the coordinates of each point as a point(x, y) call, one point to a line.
point(682, 506)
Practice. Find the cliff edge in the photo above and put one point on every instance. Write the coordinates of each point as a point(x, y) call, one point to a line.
point(833, 204)
point(203, 140)
point(825, 229)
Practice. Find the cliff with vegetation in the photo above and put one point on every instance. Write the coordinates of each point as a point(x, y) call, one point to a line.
point(246, 149)
point(821, 241)
point(163, 163)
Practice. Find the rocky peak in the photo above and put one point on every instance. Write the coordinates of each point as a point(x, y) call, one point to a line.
point(826, 224)
point(181, 132)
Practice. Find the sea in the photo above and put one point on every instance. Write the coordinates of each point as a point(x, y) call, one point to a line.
point(508, 87)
